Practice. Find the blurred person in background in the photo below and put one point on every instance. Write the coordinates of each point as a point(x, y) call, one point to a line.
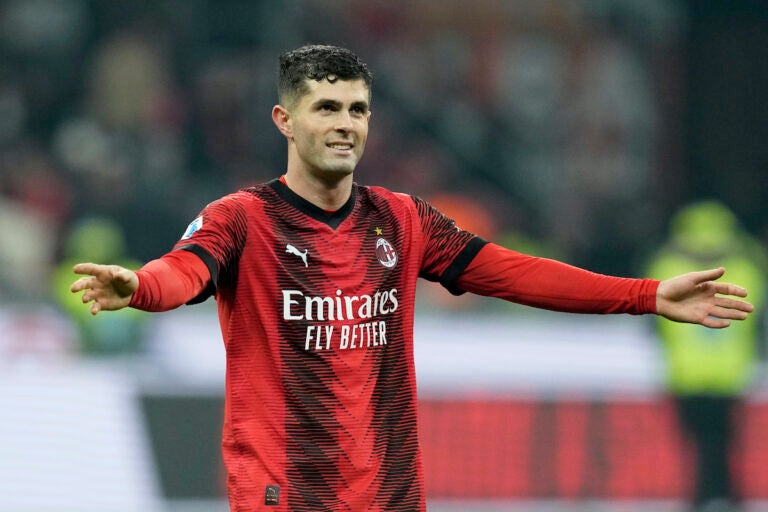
point(26, 251)
point(315, 279)
point(98, 239)
point(710, 371)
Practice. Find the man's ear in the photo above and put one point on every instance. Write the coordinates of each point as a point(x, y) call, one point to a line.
point(282, 119)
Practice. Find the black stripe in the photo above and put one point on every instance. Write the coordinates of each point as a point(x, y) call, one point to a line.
point(461, 262)
point(213, 269)
point(333, 219)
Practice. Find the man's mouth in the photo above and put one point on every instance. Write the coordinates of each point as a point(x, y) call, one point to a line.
point(340, 146)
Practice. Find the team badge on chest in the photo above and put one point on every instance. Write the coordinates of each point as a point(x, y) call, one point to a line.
point(386, 253)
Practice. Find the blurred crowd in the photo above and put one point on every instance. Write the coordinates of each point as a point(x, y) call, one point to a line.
point(550, 126)
point(554, 127)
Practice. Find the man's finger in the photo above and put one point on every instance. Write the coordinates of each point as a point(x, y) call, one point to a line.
point(729, 313)
point(85, 268)
point(735, 304)
point(730, 289)
point(84, 283)
point(88, 296)
point(709, 275)
point(715, 323)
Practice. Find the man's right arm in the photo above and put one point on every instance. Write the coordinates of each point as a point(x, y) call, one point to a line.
point(160, 285)
point(170, 281)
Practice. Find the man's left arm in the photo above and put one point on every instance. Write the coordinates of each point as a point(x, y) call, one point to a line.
point(549, 284)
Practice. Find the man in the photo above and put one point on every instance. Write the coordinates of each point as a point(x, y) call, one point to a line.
point(709, 372)
point(315, 280)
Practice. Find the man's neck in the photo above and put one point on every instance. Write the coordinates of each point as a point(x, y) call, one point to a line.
point(328, 194)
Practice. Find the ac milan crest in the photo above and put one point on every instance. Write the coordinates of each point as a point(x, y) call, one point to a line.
point(385, 253)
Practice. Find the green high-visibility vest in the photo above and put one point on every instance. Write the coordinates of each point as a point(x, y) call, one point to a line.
point(711, 361)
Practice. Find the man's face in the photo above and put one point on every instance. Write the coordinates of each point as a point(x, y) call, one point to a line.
point(330, 127)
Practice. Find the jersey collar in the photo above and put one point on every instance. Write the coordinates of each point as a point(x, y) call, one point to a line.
point(332, 219)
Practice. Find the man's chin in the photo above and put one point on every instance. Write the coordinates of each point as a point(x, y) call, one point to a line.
point(339, 170)
point(334, 174)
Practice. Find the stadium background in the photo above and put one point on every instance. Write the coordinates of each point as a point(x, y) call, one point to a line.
point(571, 129)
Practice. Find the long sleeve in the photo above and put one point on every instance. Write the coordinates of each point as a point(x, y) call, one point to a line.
point(550, 284)
point(170, 281)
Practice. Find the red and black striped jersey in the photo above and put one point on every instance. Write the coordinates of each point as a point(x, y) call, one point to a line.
point(317, 312)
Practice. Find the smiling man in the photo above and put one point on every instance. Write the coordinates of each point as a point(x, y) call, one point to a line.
point(315, 281)
point(325, 121)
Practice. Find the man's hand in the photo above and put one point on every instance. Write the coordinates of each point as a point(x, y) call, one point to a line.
point(696, 298)
point(110, 287)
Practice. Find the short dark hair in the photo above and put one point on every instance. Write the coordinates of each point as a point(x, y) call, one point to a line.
point(317, 62)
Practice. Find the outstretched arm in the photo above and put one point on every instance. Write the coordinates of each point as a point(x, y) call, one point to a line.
point(108, 287)
point(162, 284)
point(696, 298)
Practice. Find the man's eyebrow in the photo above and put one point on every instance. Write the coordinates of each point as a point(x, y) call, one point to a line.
point(336, 103)
point(326, 101)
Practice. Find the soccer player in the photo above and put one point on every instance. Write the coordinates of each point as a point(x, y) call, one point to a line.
point(315, 280)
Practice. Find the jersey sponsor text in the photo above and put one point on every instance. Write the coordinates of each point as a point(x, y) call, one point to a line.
point(298, 307)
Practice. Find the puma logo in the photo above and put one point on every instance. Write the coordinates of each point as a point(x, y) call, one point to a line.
point(293, 250)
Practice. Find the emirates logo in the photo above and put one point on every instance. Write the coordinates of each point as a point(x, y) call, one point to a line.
point(385, 253)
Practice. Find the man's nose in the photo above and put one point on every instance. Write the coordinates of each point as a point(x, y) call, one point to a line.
point(343, 121)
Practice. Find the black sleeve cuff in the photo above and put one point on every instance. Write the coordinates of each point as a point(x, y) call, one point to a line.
point(213, 269)
point(461, 262)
